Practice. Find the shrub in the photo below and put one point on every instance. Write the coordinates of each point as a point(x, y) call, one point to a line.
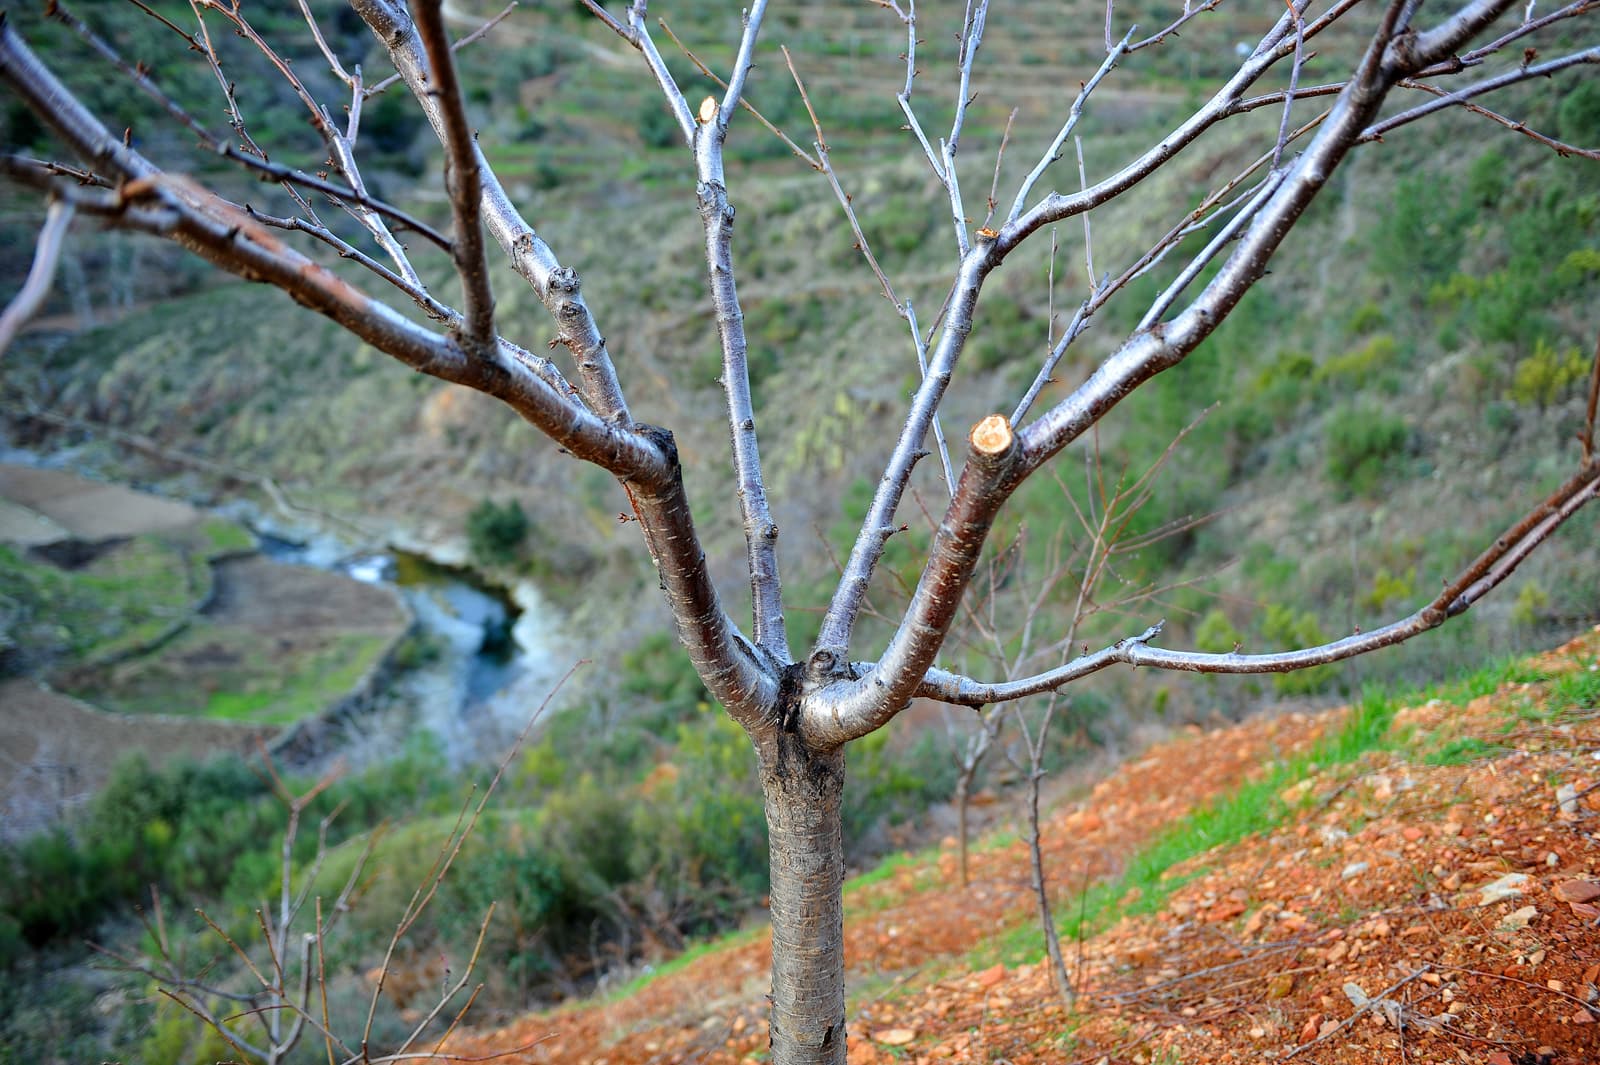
point(657, 126)
point(1216, 633)
point(495, 532)
point(1362, 443)
point(1285, 628)
point(1388, 588)
point(1486, 179)
point(1545, 376)
point(1531, 604)
point(1355, 367)
point(1422, 239)
point(1579, 115)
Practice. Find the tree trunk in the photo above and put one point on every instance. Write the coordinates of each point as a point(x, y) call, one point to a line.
point(804, 792)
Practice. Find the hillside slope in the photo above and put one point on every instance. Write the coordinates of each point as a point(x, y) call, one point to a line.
point(1395, 881)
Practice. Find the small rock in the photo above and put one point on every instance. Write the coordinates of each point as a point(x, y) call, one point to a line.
point(1354, 869)
point(894, 1037)
point(1312, 1026)
point(1355, 994)
point(1520, 918)
point(991, 976)
point(1567, 798)
point(1577, 890)
point(1507, 887)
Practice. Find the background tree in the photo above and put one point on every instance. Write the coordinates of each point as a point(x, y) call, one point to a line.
point(801, 710)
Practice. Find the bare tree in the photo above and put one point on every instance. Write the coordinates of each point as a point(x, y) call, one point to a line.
point(801, 710)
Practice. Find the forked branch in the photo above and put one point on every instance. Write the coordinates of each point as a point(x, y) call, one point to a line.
point(1487, 571)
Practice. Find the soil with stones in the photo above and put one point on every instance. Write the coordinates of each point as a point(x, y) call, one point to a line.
point(1431, 901)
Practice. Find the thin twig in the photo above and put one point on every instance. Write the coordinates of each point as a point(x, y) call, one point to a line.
point(743, 102)
point(1294, 81)
point(999, 157)
point(1593, 406)
point(1380, 997)
point(1074, 114)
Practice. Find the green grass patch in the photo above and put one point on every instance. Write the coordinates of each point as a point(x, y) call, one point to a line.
point(119, 601)
point(1575, 691)
point(1258, 805)
point(1486, 681)
point(1461, 751)
point(1254, 807)
point(224, 537)
point(233, 674)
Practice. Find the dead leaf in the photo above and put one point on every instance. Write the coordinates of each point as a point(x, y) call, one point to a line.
point(991, 976)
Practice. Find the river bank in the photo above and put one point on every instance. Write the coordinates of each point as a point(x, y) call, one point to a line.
point(149, 618)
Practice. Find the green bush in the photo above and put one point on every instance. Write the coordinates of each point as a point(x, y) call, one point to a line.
point(496, 531)
point(1547, 375)
point(1578, 119)
point(1487, 179)
point(1388, 588)
point(1422, 238)
point(1362, 444)
point(1287, 629)
point(1216, 633)
point(1354, 368)
point(657, 126)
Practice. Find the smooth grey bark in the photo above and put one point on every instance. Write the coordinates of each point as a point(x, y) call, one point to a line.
point(804, 795)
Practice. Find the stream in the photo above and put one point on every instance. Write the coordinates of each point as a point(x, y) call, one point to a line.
point(484, 663)
point(478, 662)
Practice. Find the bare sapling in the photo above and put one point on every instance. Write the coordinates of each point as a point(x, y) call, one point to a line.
point(801, 706)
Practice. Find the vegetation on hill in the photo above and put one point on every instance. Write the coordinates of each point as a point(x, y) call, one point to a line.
point(1313, 388)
